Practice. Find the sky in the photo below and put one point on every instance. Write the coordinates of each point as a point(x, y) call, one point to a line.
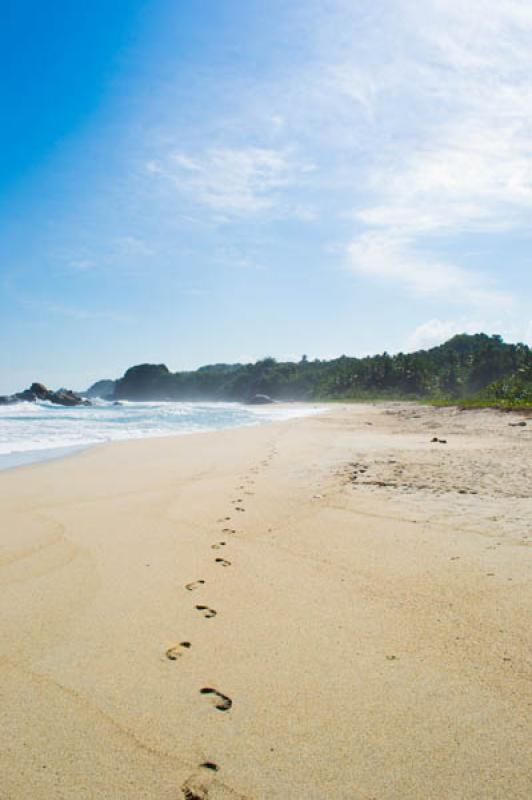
point(219, 181)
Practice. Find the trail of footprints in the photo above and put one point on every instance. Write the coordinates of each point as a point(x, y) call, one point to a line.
point(220, 702)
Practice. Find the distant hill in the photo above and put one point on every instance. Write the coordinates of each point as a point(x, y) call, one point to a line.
point(466, 368)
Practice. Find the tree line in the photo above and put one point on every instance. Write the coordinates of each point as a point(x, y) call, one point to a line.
point(469, 368)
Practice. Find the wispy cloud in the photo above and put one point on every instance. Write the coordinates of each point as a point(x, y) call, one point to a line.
point(436, 331)
point(394, 137)
point(130, 247)
point(233, 182)
point(69, 311)
point(126, 253)
point(239, 258)
point(392, 256)
point(417, 125)
point(81, 264)
point(468, 166)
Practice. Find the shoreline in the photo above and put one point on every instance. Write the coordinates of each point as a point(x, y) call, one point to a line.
point(23, 458)
point(356, 594)
point(28, 458)
point(20, 458)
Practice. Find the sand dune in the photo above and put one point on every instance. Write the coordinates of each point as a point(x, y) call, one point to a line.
point(332, 607)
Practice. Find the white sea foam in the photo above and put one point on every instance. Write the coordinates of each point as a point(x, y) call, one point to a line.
point(35, 428)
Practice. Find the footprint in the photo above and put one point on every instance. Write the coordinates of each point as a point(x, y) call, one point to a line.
point(196, 787)
point(199, 792)
point(210, 765)
point(239, 508)
point(228, 530)
point(208, 613)
point(203, 784)
point(194, 585)
point(177, 650)
point(223, 562)
point(221, 701)
point(218, 545)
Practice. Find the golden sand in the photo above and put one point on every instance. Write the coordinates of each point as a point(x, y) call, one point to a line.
point(331, 607)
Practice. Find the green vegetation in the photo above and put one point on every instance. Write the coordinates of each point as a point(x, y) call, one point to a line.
point(473, 370)
point(512, 392)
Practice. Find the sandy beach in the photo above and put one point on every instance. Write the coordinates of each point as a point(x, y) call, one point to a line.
point(335, 606)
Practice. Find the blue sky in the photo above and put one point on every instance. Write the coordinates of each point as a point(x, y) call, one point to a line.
point(189, 182)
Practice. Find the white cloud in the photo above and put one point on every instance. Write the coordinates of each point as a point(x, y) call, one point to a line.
point(468, 168)
point(390, 255)
point(233, 182)
point(436, 331)
point(353, 83)
point(422, 120)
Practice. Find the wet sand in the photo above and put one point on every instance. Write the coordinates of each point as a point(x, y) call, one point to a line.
point(331, 607)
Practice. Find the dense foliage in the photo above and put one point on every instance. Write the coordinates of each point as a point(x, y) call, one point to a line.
point(465, 367)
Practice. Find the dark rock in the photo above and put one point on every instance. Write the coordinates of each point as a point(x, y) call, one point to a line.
point(144, 382)
point(37, 391)
point(259, 400)
point(26, 395)
point(104, 389)
point(66, 397)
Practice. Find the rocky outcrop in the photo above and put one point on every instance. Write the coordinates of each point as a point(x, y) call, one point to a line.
point(38, 391)
point(103, 389)
point(66, 397)
point(145, 382)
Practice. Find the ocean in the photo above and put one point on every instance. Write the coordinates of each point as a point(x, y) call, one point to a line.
point(31, 432)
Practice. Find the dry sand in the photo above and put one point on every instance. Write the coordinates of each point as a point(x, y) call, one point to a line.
point(367, 628)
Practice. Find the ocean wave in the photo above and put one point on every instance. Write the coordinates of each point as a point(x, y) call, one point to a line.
point(40, 426)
